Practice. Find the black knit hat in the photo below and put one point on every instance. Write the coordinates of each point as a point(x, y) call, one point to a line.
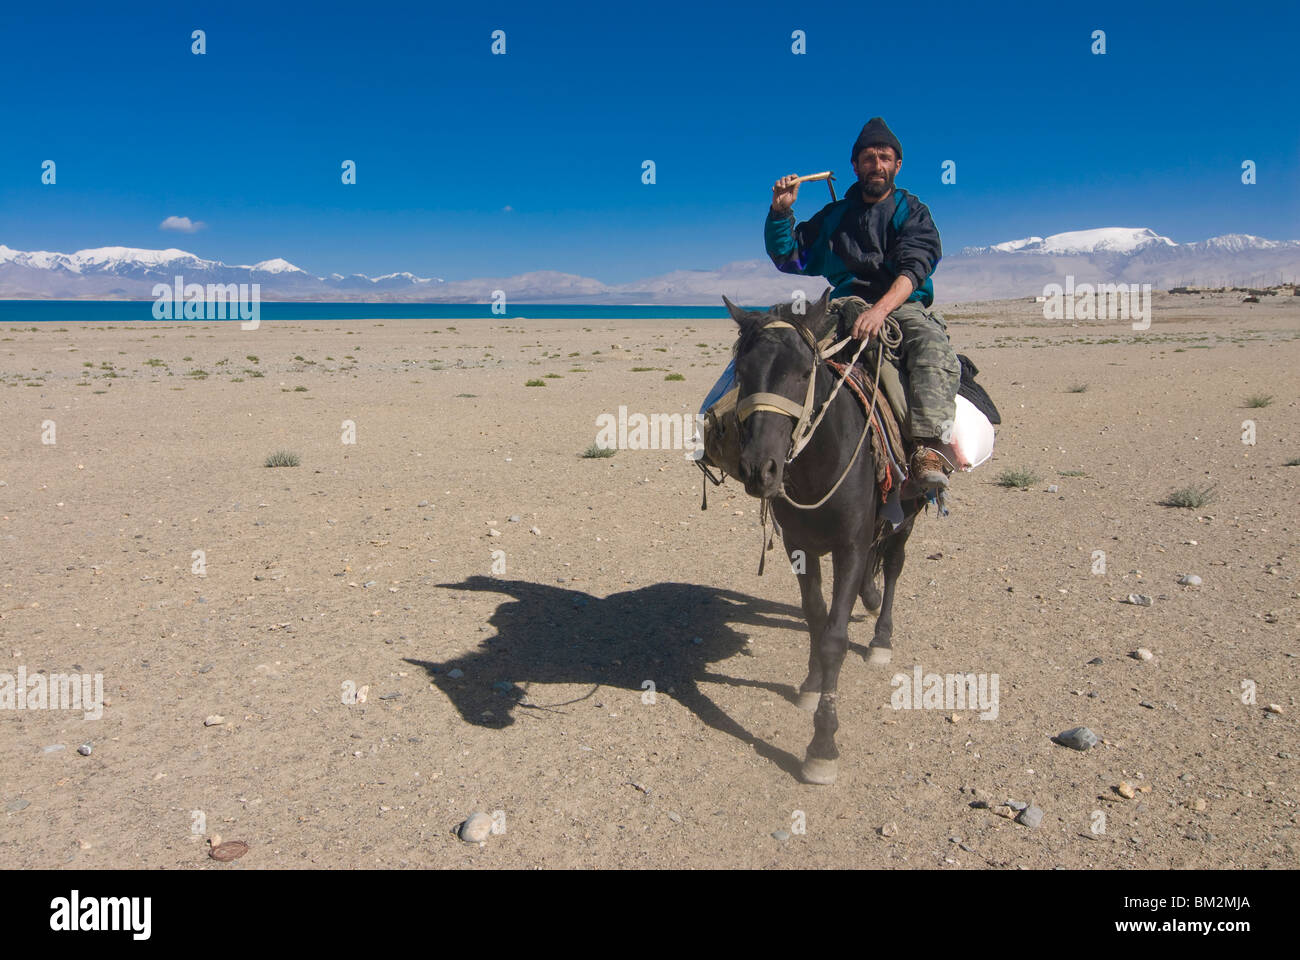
point(876, 133)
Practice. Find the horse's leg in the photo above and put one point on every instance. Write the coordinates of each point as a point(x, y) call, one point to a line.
point(880, 651)
point(819, 765)
point(814, 611)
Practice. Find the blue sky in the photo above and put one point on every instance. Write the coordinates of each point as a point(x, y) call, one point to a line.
point(249, 138)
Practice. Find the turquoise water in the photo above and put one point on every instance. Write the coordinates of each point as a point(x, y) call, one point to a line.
point(13, 312)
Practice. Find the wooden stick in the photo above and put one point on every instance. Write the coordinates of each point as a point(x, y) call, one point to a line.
point(824, 175)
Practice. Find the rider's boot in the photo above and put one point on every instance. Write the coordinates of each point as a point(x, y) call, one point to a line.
point(930, 469)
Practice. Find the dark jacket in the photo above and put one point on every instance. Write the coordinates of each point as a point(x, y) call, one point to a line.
point(860, 248)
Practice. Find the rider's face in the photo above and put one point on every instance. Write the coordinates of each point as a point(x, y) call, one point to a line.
point(876, 168)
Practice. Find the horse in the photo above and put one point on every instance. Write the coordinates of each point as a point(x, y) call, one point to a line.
point(776, 355)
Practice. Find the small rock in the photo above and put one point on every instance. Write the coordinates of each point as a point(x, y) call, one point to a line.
point(780, 835)
point(423, 503)
point(1126, 790)
point(1142, 653)
point(1190, 580)
point(476, 829)
point(85, 749)
point(52, 748)
point(494, 532)
point(1016, 805)
point(1005, 812)
point(674, 817)
point(979, 804)
point(455, 673)
point(1030, 816)
point(1078, 738)
point(889, 830)
point(206, 668)
point(13, 806)
point(1198, 805)
point(1146, 703)
point(1052, 488)
point(369, 583)
point(1274, 708)
point(1095, 661)
point(215, 720)
point(535, 531)
point(1138, 600)
point(389, 696)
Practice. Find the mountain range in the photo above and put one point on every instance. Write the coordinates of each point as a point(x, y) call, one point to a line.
point(1014, 268)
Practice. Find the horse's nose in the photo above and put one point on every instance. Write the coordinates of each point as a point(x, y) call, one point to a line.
point(760, 478)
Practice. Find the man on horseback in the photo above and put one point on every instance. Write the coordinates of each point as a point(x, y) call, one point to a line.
point(880, 244)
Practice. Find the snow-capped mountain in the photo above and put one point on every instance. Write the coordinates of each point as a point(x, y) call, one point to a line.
point(1014, 268)
point(126, 272)
point(1101, 240)
point(1021, 268)
point(275, 266)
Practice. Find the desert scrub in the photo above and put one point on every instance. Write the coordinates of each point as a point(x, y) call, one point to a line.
point(674, 376)
point(1020, 478)
point(282, 458)
point(1258, 400)
point(596, 452)
point(1191, 498)
point(535, 383)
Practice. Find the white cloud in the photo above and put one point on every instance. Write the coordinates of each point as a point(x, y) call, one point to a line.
point(183, 224)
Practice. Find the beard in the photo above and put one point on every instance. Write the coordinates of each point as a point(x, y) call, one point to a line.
point(875, 189)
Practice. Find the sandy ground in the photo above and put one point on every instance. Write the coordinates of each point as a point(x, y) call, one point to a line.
point(331, 573)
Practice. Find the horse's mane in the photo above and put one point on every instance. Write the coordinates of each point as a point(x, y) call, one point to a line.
point(752, 325)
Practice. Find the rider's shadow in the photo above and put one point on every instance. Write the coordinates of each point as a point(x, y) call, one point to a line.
point(664, 633)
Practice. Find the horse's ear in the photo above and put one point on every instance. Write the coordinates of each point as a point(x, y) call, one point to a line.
point(817, 312)
point(737, 314)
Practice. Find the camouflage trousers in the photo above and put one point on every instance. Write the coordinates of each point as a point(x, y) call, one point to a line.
point(930, 370)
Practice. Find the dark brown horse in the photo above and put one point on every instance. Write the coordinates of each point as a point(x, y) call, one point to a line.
point(776, 354)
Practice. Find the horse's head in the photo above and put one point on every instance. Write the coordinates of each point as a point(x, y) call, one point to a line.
point(775, 357)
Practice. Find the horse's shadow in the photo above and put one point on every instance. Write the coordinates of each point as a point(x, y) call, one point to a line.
point(665, 634)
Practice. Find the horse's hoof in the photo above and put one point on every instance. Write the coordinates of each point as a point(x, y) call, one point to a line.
point(808, 700)
point(819, 771)
point(881, 656)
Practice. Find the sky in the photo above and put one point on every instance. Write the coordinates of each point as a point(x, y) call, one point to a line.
point(471, 164)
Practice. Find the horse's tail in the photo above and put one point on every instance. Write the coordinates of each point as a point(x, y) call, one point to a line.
point(875, 561)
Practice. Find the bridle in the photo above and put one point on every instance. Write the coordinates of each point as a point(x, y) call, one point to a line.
point(802, 414)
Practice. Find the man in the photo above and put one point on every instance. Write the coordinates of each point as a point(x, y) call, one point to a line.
point(879, 243)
